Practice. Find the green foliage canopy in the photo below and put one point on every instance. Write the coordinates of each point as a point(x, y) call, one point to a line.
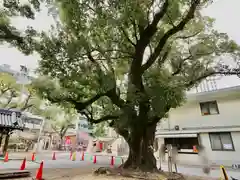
point(12, 98)
point(59, 119)
point(121, 54)
point(8, 32)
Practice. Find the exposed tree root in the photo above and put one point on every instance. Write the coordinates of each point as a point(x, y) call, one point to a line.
point(137, 174)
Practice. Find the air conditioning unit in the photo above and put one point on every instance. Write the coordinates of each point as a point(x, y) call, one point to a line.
point(176, 128)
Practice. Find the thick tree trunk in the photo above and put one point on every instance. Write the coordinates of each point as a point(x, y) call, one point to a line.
point(61, 144)
point(135, 154)
point(141, 153)
point(148, 148)
point(1, 138)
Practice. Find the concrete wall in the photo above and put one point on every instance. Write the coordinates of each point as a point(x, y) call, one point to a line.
point(189, 115)
point(222, 157)
point(226, 158)
point(181, 158)
point(190, 120)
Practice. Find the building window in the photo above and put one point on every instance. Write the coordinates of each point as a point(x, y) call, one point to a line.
point(209, 108)
point(221, 141)
point(182, 143)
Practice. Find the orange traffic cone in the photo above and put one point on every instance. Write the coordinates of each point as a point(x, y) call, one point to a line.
point(95, 159)
point(33, 156)
point(112, 161)
point(6, 157)
point(23, 164)
point(54, 156)
point(82, 156)
point(40, 172)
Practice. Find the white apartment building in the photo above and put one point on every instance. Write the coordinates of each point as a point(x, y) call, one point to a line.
point(211, 119)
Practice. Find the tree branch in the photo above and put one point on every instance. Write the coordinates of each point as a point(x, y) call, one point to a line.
point(127, 37)
point(82, 105)
point(124, 133)
point(112, 93)
point(55, 128)
point(134, 29)
point(3, 91)
point(189, 36)
point(26, 107)
point(189, 57)
point(179, 69)
point(198, 79)
point(104, 118)
point(64, 131)
point(169, 33)
point(148, 32)
point(212, 73)
point(12, 107)
point(155, 119)
point(10, 98)
point(115, 98)
point(169, 18)
point(6, 34)
point(164, 57)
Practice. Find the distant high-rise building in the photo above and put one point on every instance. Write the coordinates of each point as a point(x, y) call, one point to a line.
point(5, 68)
point(22, 76)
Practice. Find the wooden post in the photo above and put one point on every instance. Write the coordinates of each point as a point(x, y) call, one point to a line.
point(5, 147)
point(169, 148)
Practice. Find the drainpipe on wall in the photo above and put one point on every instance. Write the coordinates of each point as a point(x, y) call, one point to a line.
point(199, 139)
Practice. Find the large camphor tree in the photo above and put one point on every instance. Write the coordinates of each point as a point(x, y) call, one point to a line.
point(134, 60)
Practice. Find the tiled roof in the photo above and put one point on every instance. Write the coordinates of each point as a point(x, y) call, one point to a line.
point(7, 120)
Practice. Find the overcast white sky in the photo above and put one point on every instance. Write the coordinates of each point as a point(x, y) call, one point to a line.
point(226, 13)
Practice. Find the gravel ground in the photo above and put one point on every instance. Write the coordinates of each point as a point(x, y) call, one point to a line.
point(86, 174)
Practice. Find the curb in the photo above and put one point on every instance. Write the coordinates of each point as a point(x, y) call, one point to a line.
point(20, 160)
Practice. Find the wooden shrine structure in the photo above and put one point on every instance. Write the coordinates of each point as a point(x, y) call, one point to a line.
point(10, 120)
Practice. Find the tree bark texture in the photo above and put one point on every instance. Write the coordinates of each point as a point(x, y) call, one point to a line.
point(141, 153)
point(61, 144)
point(1, 138)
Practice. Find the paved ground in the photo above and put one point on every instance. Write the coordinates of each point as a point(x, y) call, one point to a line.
point(63, 161)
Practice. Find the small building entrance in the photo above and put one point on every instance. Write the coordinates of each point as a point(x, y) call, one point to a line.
point(9, 121)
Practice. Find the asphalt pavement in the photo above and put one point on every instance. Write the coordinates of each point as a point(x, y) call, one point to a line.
point(198, 171)
point(63, 161)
